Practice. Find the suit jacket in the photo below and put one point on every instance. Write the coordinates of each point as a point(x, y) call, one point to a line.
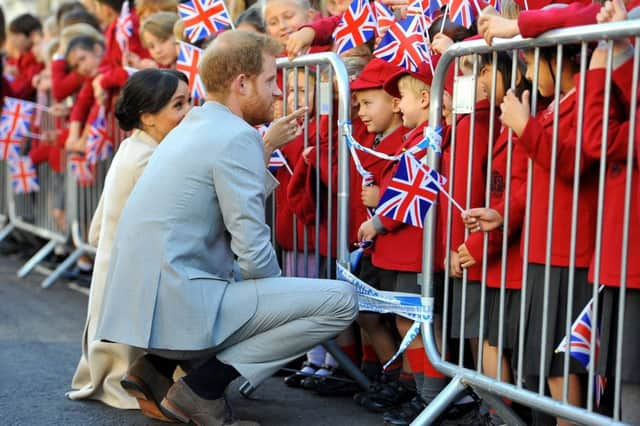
point(199, 203)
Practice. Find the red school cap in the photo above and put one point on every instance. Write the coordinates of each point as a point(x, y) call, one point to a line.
point(373, 75)
point(423, 73)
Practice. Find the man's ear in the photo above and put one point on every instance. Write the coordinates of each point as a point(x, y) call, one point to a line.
point(240, 85)
point(425, 97)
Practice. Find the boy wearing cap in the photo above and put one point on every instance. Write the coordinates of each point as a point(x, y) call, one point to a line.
point(379, 114)
point(398, 249)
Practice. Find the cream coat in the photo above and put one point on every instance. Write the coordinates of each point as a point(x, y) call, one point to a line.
point(102, 365)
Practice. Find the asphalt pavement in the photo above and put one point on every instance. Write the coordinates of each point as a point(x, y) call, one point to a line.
point(40, 345)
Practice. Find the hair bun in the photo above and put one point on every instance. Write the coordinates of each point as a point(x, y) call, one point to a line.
point(127, 120)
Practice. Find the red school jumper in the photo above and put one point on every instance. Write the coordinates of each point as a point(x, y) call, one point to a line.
point(536, 141)
point(615, 179)
point(28, 67)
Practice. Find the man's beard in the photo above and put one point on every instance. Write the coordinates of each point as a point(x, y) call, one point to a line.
point(256, 114)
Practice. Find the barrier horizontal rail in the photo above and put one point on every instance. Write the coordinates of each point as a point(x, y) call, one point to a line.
point(464, 377)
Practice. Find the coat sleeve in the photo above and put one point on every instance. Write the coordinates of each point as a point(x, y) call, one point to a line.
point(324, 29)
point(532, 23)
point(84, 101)
point(63, 83)
point(238, 179)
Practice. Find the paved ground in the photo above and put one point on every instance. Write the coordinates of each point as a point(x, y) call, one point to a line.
point(39, 346)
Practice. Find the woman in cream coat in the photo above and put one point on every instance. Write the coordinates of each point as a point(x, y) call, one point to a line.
point(152, 103)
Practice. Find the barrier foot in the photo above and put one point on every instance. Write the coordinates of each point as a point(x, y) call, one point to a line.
point(4, 232)
point(505, 412)
point(347, 365)
point(36, 258)
point(447, 397)
point(64, 266)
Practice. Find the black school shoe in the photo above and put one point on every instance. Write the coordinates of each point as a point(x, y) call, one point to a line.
point(295, 380)
point(468, 414)
point(383, 396)
point(337, 384)
point(405, 413)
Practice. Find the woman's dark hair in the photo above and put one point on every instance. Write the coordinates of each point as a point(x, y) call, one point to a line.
point(77, 16)
point(253, 17)
point(82, 42)
point(504, 65)
point(25, 24)
point(2, 30)
point(116, 5)
point(147, 90)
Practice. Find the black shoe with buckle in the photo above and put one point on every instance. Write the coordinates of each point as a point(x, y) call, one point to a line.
point(383, 396)
point(405, 413)
point(295, 380)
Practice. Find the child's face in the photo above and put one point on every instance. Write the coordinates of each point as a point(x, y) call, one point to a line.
point(337, 7)
point(284, 17)
point(411, 107)
point(377, 109)
point(485, 82)
point(546, 79)
point(84, 62)
point(305, 92)
point(18, 42)
point(161, 51)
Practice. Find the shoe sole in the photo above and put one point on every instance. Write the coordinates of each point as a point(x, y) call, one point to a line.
point(148, 405)
point(167, 407)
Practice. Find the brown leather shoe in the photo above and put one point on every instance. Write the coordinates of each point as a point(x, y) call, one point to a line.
point(148, 387)
point(183, 404)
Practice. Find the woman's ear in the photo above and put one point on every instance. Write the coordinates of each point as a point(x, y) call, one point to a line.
point(147, 120)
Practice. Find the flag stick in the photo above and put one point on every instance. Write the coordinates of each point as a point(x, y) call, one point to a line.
point(444, 16)
point(454, 202)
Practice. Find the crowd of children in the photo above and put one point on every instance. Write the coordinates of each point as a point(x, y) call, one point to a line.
point(485, 157)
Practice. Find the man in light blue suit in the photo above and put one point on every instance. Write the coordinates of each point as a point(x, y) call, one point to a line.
point(196, 219)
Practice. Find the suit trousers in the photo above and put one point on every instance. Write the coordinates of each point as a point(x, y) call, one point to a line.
point(292, 316)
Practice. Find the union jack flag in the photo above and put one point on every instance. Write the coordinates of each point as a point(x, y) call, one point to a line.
point(188, 58)
point(410, 193)
point(9, 148)
point(24, 178)
point(99, 144)
point(16, 117)
point(461, 12)
point(124, 27)
point(277, 161)
point(579, 345)
point(203, 17)
point(384, 17)
point(357, 26)
point(262, 129)
point(81, 170)
point(404, 44)
point(428, 9)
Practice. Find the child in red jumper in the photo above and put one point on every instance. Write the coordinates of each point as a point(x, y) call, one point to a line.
point(413, 89)
point(535, 135)
point(21, 63)
point(610, 273)
point(380, 113)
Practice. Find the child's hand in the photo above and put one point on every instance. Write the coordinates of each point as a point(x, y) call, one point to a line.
point(440, 43)
point(367, 231)
point(612, 11)
point(300, 41)
point(454, 265)
point(370, 195)
point(98, 91)
point(306, 153)
point(491, 26)
point(515, 113)
point(464, 257)
point(75, 144)
point(481, 219)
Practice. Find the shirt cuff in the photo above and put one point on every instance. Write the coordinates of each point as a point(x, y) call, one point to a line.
point(377, 224)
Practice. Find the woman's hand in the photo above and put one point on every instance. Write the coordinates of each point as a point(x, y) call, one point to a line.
point(515, 113)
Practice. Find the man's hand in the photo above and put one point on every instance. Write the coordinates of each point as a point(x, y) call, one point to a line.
point(464, 257)
point(515, 113)
point(491, 26)
point(482, 219)
point(367, 231)
point(282, 131)
point(300, 41)
point(370, 195)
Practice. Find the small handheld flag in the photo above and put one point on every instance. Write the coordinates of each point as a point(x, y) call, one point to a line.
point(404, 44)
point(277, 160)
point(99, 144)
point(357, 26)
point(188, 58)
point(24, 178)
point(15, 120)
point(204, 17)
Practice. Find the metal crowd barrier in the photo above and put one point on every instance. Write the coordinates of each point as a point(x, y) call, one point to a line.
point(81, 203)
point(464, 377)
point(325, 75)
